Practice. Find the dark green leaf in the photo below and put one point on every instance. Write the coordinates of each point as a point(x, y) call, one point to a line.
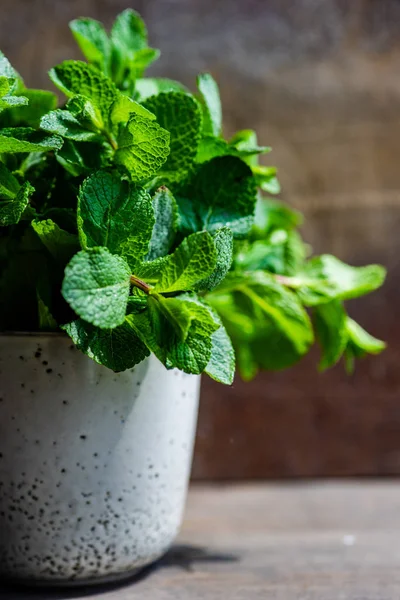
point(116, 215)
point(222, 193)
point(117, 349)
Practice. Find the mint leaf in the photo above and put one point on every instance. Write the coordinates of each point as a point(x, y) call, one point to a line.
point(116, 215)
point(27, 140)
point(151, 86)
point(362, 340)
point(266, 179)
point(129, 32)
point(12, 208)
point(222, 193)
point(190, 352)
point(266, 322)
point(124, 107)
point(166, 223)
point(180, 114)
point(223, 241)
point(209, 93)
point(117, 349)
point(96, 285)
point(360, 343)
point(38, 103)
point(330, 328)
point(325, 278)
point(222, 363)
point(74, 77)
point(9, 185)
point(185, 268)
point(271, 215)
point(63, 123)
point(143, 147)
point(93, 42)
point(46, 320)
point(80, 158)
point(6, 70)
point(245, 143)
point(61, 244)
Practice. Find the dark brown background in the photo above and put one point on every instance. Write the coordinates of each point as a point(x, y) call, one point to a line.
point(320, 81)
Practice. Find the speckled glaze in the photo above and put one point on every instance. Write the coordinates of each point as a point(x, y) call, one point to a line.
point(94, 465)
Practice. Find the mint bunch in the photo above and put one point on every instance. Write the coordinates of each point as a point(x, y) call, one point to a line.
point(129, 222)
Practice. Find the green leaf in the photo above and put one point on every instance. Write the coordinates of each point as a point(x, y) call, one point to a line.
point(6, 70)
point(362, 341)
point(61, 244)
point(117, 349)
point(151, 86)
point(63, 123)
point(80, 158)
point(143, 147)
point(25, 139)
point(326, 278)
point(93, 42)
point(129, 32)
point(96, 285)
point(331, 332)
point(212, 147)
point(166, 223)
point(190, 354)
point(12, 208)
point(245, 143)
point(222, 363)
point(266, 179)
point(182, 270)
point(74, 77)
point(115, 214)
point(143, 59)
point(9, 185)
point(46, 320)
point(209, 93)
point(180, 114)
point(124, 107)
point(271, 215)
point(267, 324)
point(39, 103)
point(223, 241)
point(222, 193)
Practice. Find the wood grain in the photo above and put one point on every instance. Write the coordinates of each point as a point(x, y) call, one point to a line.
point(309, 541)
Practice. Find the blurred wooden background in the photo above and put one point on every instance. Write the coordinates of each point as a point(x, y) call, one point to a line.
point(320, 81)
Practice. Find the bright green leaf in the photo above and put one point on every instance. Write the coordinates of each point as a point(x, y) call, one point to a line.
point(209, 93)
point(96, 285)
point(143, 147)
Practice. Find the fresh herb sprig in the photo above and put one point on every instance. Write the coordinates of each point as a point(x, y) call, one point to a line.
point(129, 222)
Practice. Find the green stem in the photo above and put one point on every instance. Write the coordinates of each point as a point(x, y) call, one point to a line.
point(110, 139)
point(142, 285)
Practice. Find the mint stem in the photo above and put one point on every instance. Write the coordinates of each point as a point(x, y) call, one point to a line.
point(142, 285)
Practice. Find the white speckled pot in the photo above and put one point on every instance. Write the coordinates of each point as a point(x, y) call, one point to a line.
point(94, 465)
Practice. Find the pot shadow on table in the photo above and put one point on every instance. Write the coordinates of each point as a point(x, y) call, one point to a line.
point(185, 557)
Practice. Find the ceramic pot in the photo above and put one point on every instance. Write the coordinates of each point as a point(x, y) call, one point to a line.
point(94, 465)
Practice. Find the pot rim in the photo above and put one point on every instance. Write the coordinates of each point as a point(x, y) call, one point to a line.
point(33, 334)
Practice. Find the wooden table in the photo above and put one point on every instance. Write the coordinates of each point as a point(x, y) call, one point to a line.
point(295, 541)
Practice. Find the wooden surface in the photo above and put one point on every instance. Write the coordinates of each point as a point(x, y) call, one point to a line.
point(309, 541)
point(319, 80)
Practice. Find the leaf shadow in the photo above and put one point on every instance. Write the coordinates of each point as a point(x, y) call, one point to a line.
point(184, 557)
